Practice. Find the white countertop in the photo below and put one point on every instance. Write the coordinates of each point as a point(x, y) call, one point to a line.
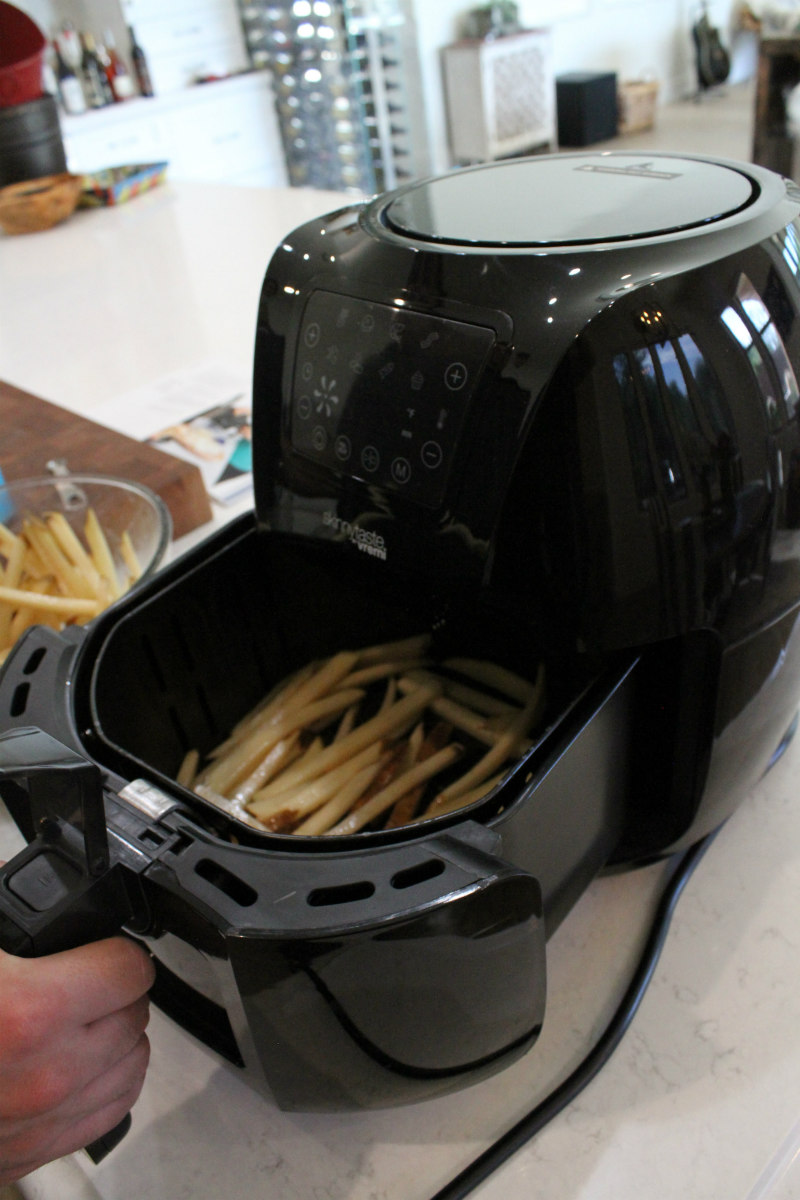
point(702, 1098)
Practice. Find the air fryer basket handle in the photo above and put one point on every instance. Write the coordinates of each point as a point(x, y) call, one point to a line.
point(62, 890)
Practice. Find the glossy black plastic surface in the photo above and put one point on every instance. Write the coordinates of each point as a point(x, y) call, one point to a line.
point(627, 464)
point(569, 200)
point(332, 931)
point(563, 432)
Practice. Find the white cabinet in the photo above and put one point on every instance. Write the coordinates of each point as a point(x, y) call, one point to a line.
point(186, 40)
point(228, 132)
point(223, 132)
point(500, 96)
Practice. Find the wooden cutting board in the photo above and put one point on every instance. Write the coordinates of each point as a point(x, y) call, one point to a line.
point(33, 431)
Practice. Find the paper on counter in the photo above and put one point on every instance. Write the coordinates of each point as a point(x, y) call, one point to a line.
point(201, 414)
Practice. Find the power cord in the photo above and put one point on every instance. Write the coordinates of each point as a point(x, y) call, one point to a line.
point(683, 866)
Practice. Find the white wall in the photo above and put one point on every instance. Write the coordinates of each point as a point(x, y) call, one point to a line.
point(634, 38)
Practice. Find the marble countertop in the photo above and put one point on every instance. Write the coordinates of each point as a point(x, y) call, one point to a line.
point(702, 1097)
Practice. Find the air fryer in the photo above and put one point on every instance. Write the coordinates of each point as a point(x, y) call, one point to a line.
point(545, 411)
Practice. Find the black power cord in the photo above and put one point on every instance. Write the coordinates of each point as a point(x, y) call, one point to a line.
point(683, 866)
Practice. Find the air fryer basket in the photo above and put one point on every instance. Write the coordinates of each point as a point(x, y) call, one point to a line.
point(176, 671)
point(287, 954)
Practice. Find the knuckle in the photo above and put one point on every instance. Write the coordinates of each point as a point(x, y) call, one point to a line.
point(37, 1093)
point(22, 1030)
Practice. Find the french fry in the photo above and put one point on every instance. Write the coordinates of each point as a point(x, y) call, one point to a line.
point(323, 680)
point(346, 724)
point(503, 748)
point(274, 761)
point(230, 771)
point(54, 604)
point(480, 701)
point(188, 768)
point(337, 806)
point(262, 712)
point(493, 676)
point(440, 807)
point(231, 807)
point(11, 578)
point(380, 670)
point(404, 809)
point(286, 808)
point(101, 552)
point(130, 557)
point(397, 788)
point(388, 723)
point(411, 647)
point(70, 580)
point(68, 541)
point(381, 771)
point(52, 578)
point(7, 540)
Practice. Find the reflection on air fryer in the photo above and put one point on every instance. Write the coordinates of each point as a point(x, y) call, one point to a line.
point(366, 739)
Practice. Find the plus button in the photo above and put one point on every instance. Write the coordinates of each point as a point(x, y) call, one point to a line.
point(455, 376)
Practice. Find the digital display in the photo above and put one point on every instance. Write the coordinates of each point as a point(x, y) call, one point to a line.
point(381, 393)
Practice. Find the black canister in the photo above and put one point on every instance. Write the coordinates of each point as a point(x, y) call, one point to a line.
point(31, 145)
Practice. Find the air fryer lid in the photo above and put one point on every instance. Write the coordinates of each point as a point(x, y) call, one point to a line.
point(570, 200)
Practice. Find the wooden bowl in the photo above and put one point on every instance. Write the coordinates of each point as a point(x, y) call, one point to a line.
point(37, 204)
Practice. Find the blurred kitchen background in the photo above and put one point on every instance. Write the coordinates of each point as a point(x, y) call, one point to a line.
point(363, 95)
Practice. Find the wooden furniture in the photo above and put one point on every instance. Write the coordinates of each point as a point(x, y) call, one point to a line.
point(500, 96)
point(35, 431)
point(778, 72)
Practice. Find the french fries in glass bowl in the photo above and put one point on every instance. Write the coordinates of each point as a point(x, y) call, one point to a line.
point(71, 545)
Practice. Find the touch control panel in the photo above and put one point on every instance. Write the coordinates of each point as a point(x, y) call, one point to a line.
point(381, 393)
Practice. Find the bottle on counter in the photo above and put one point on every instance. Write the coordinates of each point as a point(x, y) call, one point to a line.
point(117, 74)
point(70, 89)
point(96, 86)
point(140, 67)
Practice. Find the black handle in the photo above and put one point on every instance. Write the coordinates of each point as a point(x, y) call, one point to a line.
point(63, 890)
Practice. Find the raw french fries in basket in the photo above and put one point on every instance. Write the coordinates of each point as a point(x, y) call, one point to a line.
point(370, 739)
point(50, 576)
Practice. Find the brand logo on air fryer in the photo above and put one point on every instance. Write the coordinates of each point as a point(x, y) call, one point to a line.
point(364, 539)
point(639, 171)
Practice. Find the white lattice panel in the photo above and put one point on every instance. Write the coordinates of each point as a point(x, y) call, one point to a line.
point(520, 91)
point(500, 96)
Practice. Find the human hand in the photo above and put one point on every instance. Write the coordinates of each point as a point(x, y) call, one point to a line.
point(73, 1049)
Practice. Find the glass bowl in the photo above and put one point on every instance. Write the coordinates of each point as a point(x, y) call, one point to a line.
point(71, 545)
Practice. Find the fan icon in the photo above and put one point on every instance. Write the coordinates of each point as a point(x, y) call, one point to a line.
point(326, 399)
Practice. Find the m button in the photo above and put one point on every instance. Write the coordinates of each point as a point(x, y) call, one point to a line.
point(401, 470)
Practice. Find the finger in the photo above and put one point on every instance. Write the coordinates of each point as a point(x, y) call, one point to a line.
point(75, 987)
point(38, 1084)
point(99, 1108)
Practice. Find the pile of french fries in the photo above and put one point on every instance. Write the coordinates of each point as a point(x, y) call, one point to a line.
point(320, 755)
point(49, 576)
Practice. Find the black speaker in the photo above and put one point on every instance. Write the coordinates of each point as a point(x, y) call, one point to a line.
point(587, 107)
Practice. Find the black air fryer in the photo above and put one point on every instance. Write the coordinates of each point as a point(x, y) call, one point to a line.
point(546, 411)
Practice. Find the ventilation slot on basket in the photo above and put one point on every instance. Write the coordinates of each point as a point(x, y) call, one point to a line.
point(155, 666)
point(205, 708)
point(34, 660)
point(19, 701)
point(421, 873)
point(179, 642)
point(345, 893)
point(224, 881)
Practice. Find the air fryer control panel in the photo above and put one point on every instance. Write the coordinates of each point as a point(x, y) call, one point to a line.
point(381, 393)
